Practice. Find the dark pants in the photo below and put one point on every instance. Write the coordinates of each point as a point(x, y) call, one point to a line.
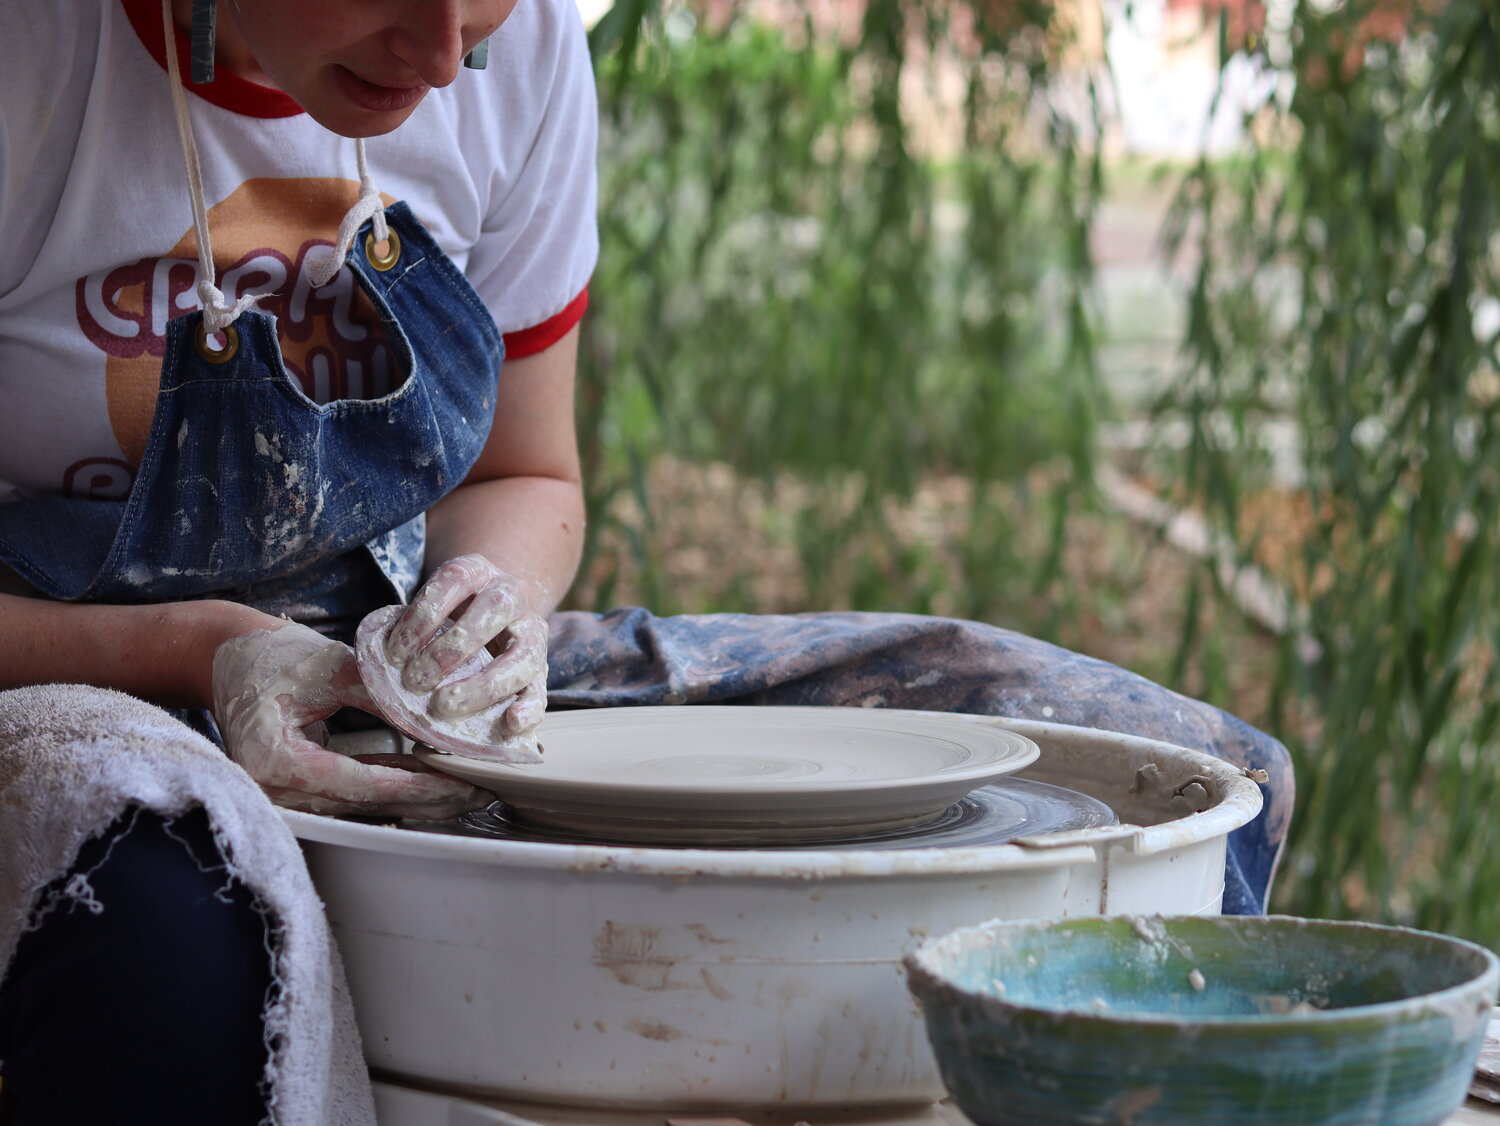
point(138, 997)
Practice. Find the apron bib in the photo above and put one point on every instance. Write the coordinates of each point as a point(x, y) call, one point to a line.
point(250, 490)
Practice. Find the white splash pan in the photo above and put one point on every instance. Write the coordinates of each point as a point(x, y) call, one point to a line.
point(729, 980)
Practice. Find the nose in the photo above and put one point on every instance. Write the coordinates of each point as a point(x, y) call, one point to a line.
point(429, 38)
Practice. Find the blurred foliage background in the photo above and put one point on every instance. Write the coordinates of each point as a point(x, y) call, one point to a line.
point(802, 289)
point(848, 349)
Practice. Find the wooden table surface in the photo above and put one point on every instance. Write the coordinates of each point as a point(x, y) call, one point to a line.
point(404, 1106)
point(1475, 1113)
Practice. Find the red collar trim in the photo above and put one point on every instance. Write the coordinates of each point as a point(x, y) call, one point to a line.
point(228, 91)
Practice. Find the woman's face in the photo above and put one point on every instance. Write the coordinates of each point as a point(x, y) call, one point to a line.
point(359, 67)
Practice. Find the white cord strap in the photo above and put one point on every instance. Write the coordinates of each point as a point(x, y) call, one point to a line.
point(217, 314)
point(369, 206)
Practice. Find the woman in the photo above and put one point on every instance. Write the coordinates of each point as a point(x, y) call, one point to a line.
point(212, 472)
point(172, 495)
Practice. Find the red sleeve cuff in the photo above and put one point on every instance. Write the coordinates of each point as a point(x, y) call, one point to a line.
point(538, 338)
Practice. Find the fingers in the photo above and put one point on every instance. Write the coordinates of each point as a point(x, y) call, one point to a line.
point(523, 665)
point(515, 748)
point(486, 617)
point(420, 811)
point(273, 689)
point(527, 709)
point(330, 780)
point(443, 592)
point(428, 647)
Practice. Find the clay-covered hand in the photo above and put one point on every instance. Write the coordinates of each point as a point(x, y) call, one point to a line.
point(272, 691)
point(490, 609)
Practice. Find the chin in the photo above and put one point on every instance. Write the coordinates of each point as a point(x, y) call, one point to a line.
point(348, 121)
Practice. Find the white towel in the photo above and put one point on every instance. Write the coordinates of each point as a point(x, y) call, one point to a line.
point(72, 758)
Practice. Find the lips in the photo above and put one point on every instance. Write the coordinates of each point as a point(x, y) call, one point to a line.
point(375, 97)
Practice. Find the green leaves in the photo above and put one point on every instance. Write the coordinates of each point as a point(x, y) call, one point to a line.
point(806, 274)
point(837, 295)
point(1372, 200)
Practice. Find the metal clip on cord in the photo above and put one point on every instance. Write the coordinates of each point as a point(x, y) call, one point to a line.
point(205, 29)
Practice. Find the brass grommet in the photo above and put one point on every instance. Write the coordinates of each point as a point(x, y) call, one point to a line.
point(214, 355)
point(392, 255)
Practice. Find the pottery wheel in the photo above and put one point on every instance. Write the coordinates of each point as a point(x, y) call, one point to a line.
point(993, 815)
point(713, 775)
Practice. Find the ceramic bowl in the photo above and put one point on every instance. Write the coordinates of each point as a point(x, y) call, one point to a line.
point(1197, 1020)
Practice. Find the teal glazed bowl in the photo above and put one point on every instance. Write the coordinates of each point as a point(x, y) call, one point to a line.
point(1203, 1021)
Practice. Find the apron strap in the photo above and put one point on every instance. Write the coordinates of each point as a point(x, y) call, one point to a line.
point(217, 313)
point(369, 206)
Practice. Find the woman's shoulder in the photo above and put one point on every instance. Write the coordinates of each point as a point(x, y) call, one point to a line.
point(538, 55)
point(49, 47)
point(526, 130)
point(554, 23)
point(52, 58)
point(534, 98)
point(54, 27)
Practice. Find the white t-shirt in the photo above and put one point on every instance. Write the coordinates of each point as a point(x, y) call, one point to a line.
point(97, 249)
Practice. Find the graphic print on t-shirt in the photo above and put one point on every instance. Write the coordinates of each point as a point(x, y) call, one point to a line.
point(263, 234)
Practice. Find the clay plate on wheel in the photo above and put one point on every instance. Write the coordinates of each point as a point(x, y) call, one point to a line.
point(474, 735)
point(705, 774)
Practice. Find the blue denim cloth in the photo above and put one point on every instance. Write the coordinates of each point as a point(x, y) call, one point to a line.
point(629, 657)
point(246, 483)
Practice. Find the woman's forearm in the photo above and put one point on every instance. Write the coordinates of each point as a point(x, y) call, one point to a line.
point(162, 652)
point(522, 505)
point(529, 527)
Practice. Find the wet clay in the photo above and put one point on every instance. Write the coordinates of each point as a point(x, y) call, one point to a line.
point(480, 735)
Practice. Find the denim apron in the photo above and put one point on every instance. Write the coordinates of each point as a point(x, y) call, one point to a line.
point(251, 491)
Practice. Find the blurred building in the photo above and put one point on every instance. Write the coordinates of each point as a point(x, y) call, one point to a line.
point(1164, 57)
point(1162, 81)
